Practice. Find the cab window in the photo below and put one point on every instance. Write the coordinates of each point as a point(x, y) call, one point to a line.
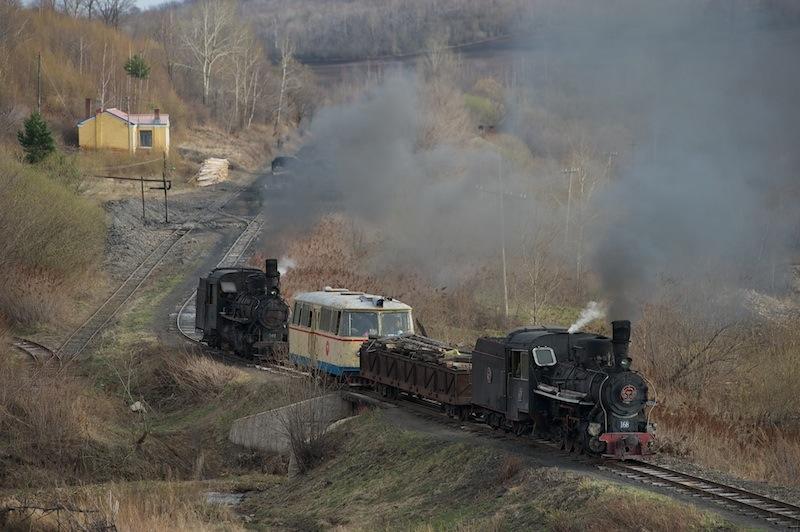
point(519, 364)
point(394, 323)
point(359, 324)
point(544, 356)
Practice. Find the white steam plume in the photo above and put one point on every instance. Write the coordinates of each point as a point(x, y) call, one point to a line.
point(593, 311)
point(285, 264)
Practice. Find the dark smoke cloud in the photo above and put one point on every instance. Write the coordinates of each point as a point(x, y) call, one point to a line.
point(707, 168)
point(709, 92)
point(363, 158)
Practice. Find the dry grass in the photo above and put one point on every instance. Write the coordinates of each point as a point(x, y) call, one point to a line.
point(167, 379)
point(248, 149)
point(50, 422)
point(138, 507)
point(51, 241)
point(728, 391)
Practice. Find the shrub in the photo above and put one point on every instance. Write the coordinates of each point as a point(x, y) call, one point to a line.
point(49, 237)
point(36, 139)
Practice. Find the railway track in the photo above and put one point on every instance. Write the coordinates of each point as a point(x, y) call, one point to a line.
point(82, 336)
point(777, 513)
point(184, 321)
point(234, 256)
point(35, 350)
point(76, 342)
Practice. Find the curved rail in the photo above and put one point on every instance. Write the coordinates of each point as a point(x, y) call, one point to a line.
point(80, 338)
point(186, 315)
point(776, 512)
point(37, 351)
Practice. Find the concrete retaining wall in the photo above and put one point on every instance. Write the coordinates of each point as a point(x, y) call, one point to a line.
point(268, 430)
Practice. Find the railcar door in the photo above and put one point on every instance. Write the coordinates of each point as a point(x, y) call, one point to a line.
point(517, 397)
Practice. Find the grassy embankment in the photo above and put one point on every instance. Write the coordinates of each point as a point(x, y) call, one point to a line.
point(383, 477)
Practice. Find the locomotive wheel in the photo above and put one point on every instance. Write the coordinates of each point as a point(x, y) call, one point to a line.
point(521, 429)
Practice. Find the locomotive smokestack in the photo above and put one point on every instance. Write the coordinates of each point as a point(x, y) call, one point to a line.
point(273, 275)
point(620, 339)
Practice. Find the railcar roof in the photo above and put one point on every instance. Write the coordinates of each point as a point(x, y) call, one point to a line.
point(345, 299)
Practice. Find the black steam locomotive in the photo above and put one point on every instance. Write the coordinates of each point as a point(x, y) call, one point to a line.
point(575, 388)
point(242, 309)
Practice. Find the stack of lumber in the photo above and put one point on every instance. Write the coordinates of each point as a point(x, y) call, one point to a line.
point(421, 348)
point(212, 171)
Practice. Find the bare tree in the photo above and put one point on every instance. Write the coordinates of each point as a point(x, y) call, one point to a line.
point(112, 11)
point(166, 35)
point(210, 34)
point(248, 64)
point(287, 66)
point(542, 267)
point(72, 8)
point(107, 69)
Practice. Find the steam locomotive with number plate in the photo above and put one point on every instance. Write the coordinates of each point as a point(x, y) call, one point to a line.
point(575, 388)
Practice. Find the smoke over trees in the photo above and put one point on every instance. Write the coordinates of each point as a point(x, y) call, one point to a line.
point(659, 143)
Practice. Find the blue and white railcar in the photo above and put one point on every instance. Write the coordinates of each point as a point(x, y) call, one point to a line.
point(328, 327)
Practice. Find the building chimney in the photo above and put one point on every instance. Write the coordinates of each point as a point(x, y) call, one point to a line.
point(157, 114)
point(88, 108)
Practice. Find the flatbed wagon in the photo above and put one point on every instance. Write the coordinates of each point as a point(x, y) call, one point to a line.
point(421, 367)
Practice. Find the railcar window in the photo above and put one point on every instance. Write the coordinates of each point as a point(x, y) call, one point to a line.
point(296, 314)
point(305, 318)
point(337, 316)
point(359, 324)
point(394, 323)
point(310, 322)
point(325, 319)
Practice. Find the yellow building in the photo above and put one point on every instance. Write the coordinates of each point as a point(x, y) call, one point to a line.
point(117, 130)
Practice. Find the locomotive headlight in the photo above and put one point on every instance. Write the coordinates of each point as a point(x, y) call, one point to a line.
point(625, 363)
point(594, 429)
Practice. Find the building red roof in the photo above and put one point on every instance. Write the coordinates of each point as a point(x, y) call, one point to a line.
point(148, 119)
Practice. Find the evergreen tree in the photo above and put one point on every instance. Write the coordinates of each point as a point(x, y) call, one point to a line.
point(137, 68)
point(36, 139)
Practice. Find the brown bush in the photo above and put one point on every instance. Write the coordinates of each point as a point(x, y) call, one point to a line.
point(511, 465)
point(47, 421)
point(171, 377)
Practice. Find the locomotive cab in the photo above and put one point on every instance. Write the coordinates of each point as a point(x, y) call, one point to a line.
point(243, 308)
point(214, 293)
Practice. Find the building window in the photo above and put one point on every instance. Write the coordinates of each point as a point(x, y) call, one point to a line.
point(146, 138)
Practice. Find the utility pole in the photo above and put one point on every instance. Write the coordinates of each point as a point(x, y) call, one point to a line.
point(570, 172)
point(164, 181)
point(39, 84)
point(502, 231)
point(141, 180)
